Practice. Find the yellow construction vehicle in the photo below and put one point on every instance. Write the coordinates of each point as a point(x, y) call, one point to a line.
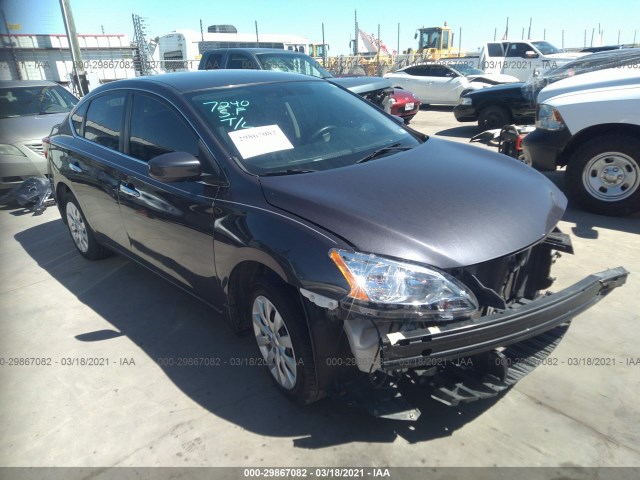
point(437, 42)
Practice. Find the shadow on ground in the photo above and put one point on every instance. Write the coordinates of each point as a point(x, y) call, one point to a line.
point(169, 324)
point(465, 131)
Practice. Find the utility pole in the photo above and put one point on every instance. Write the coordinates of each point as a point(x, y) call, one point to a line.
point(201, 32)
point(563, 39)
point(522, 38)
point(584, 43)
point(618, 37)
point(529, 34)
point(355, 42)
point(459, 41)
point(398, 50)
point(495, 33)
point(74, 47)
point(324, 48)
point(257, 38)
point(544, 34)
point(506, 32)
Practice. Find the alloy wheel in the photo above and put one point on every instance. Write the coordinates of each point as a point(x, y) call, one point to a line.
point(77, 227)
point(274, 342)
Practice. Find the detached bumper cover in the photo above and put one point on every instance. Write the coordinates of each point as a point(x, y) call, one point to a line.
point(420, 348)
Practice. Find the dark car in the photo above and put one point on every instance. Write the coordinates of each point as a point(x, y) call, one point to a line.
point(28, 111)
point(312, 219)
point(375, 89)
point(404, 104)
point(495, 107)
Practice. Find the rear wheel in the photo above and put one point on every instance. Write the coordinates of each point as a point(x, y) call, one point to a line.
point(493, 116)
point(83, 237)
point(603, 175)
point(283, 341)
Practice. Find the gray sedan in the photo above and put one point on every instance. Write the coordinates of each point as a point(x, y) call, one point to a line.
point(28, 111)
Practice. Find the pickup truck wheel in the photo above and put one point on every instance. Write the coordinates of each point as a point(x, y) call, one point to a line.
point(603, 175)
point(83, 237)
point(283, 341)
point(493, 116)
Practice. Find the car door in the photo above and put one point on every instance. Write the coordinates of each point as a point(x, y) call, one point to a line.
point(169, 225)
point(517, 63)
point(91, 164)
point(414, 79)
point(445, 86)
point(492, 57)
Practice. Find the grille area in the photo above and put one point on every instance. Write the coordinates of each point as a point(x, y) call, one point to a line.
point(36, 147)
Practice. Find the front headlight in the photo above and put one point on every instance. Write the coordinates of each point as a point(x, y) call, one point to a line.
point(6, 149)
point(465, 101)
point(380, 280)
point(548, 118)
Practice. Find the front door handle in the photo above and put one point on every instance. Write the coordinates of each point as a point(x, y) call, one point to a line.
point(132, 192)
point(74, 167)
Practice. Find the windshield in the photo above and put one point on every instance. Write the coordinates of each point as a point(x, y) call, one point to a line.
point(39, 100)
point(292, 63)
point(546, 48)
point(288, 127)
point(465, 70)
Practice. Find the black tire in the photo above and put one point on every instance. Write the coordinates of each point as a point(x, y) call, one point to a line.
point(81, 234)
point(614, 155)
point(304, 389)
point(493, 116)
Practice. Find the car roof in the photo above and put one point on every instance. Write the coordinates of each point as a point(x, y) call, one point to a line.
point(254, 50)
point(26, 83)
point(185, 82)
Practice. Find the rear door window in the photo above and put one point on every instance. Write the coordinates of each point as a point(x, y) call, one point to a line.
point(213, 62)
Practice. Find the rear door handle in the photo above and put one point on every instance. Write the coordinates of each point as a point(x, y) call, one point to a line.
point(132, 192)
point(74, 167)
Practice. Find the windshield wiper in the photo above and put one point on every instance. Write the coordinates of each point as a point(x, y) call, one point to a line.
point(289, 171)
point(381, 151)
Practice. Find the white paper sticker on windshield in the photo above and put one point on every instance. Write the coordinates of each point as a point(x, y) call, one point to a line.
point(251, 142)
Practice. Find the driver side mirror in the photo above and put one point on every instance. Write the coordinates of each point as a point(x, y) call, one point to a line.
point(175, 167)
point(531, 54)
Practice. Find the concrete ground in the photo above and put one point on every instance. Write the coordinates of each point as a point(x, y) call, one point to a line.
point(133, 410)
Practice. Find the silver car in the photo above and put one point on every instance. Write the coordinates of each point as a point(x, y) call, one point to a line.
point(28, 111)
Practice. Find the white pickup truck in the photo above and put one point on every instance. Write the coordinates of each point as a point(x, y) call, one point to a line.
point(522, 58)
point(590, 123)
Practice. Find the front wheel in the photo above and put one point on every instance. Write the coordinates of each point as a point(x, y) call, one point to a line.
point(603, 175)
point(493, 117)
point(283, 341)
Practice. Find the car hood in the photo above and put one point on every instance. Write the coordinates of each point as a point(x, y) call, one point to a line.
point(498, 90)
point(361, 85)
point(443, 204)
point(493, 78)
point(17, 129)
point(565, 56)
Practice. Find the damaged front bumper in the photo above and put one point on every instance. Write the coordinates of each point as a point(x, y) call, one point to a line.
point(457, 363)
point(425, 347)
point(524, 320)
